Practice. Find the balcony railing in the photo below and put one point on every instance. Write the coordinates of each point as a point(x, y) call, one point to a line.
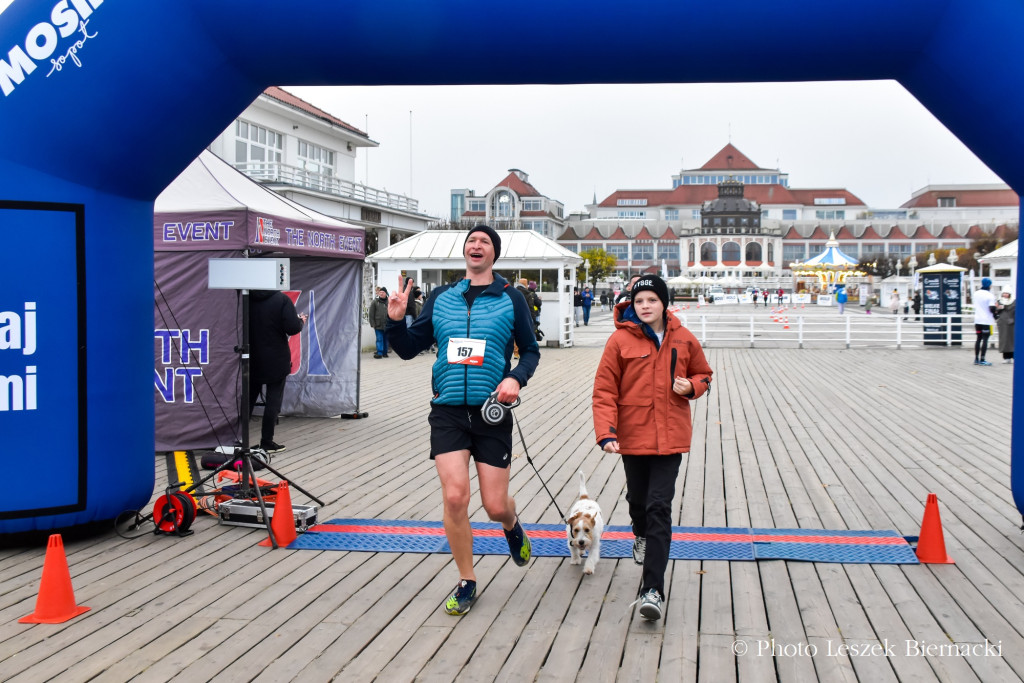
point(283, 174)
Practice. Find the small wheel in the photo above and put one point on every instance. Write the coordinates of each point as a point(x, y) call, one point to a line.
point(131, 524)
point(168, 513)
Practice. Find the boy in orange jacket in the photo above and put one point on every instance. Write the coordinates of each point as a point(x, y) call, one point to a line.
point(652, 367)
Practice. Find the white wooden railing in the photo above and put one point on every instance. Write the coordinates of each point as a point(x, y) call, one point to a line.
point(880, 330)
point(273, 172)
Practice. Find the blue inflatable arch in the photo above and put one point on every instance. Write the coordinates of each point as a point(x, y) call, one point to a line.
point(104, 102)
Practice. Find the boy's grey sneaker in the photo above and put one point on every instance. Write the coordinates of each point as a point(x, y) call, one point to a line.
point(639, 549)
point(650, 605)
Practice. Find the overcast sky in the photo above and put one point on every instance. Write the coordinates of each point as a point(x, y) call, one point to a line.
point(872, 138)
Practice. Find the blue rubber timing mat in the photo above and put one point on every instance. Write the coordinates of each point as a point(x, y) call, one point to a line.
point(549, 540)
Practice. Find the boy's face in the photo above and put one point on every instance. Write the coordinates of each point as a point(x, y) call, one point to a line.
point(648, 306)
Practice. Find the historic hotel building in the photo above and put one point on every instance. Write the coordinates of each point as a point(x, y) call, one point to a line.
point(732, 217)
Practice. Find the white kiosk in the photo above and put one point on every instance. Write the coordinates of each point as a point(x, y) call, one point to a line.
point(434, 257)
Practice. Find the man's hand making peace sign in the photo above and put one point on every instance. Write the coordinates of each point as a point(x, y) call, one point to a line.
point(399, 300)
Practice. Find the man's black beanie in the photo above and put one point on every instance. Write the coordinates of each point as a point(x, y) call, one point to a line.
point(495, 240)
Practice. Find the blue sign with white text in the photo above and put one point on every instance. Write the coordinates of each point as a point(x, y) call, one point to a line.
point(41, 374)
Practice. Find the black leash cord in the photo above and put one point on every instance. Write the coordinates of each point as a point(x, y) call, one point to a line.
point(530, 460)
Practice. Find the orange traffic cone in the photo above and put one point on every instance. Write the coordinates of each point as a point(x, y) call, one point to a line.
point(931, 546)
point(282, 524)
point(785, 325)
point(56, 601)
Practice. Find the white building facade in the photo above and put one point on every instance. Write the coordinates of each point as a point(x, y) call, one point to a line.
point(649, 229)
point(309, 156)
point(512, 204)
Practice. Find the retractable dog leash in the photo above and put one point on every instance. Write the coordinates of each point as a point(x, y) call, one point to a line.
point(494, 413)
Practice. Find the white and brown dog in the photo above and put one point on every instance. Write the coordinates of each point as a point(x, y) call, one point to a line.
point(584, 526)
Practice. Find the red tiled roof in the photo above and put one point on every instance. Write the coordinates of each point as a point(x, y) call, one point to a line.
point(729, 158)
point(644, 234)
point(619, 234)
point(974, 232)
point(807, 197)
point(517, 185)
point(474, 213)
point(948, 233)
point(845, 233)
point(593, 234)
point(922, 233)
point(966, 197)
point(533, 213)
point(818, 234)
point(793, 234)
point(290, 99)
point(870, 234)
point(696, 195)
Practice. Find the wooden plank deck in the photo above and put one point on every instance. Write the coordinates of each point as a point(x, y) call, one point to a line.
point(826, 439)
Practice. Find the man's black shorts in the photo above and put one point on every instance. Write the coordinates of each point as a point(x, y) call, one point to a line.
point(457, 428)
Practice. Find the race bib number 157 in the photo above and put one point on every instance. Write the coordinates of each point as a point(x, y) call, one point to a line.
point(465, 351)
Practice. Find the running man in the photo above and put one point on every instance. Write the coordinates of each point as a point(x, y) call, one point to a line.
point(475, 323)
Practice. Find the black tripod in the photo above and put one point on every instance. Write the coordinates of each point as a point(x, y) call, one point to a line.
point(248, 484)
point(248, 487)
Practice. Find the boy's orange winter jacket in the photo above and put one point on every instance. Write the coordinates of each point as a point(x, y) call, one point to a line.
point(633, 399)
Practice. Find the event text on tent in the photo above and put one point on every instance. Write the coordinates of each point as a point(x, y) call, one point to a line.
point(198, 231)
point(179, 345)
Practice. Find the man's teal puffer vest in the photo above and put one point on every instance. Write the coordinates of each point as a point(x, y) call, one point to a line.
point(492, 318)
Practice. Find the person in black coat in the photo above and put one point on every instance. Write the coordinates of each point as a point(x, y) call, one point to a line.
point(272, 319)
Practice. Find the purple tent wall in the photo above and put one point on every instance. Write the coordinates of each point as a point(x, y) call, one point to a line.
point(196, 396)
point(327, 380)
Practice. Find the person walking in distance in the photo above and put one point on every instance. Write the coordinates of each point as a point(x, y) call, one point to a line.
point(1007, 309)
point(651, 368)
point(587, 298)
point(475, 322)
point(378, 315)
point(984, 319)
point(272, 319)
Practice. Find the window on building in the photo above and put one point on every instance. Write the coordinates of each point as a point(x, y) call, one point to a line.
point(829, 201)
point(533, 205)
point(643, 252)
point(692, 252)
point(572, 247)
point(458, 206)
point(671, 214)
point(709, 251)
point(753, 252)
point(830, 215)
point(717, 221)
point(922, 247)
point(636, 201)
point(771, 252)
point(502, 205)
point(696, 214)
point(947, 202)
point(794, 252)
point(254, 144)
point(901, 249)
point(316, 159)
point(477, 205)
point(871, 249)
point(669, 252)
point(632, 214)
point(619, 251)
point(789, 214)
point(731, 251)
